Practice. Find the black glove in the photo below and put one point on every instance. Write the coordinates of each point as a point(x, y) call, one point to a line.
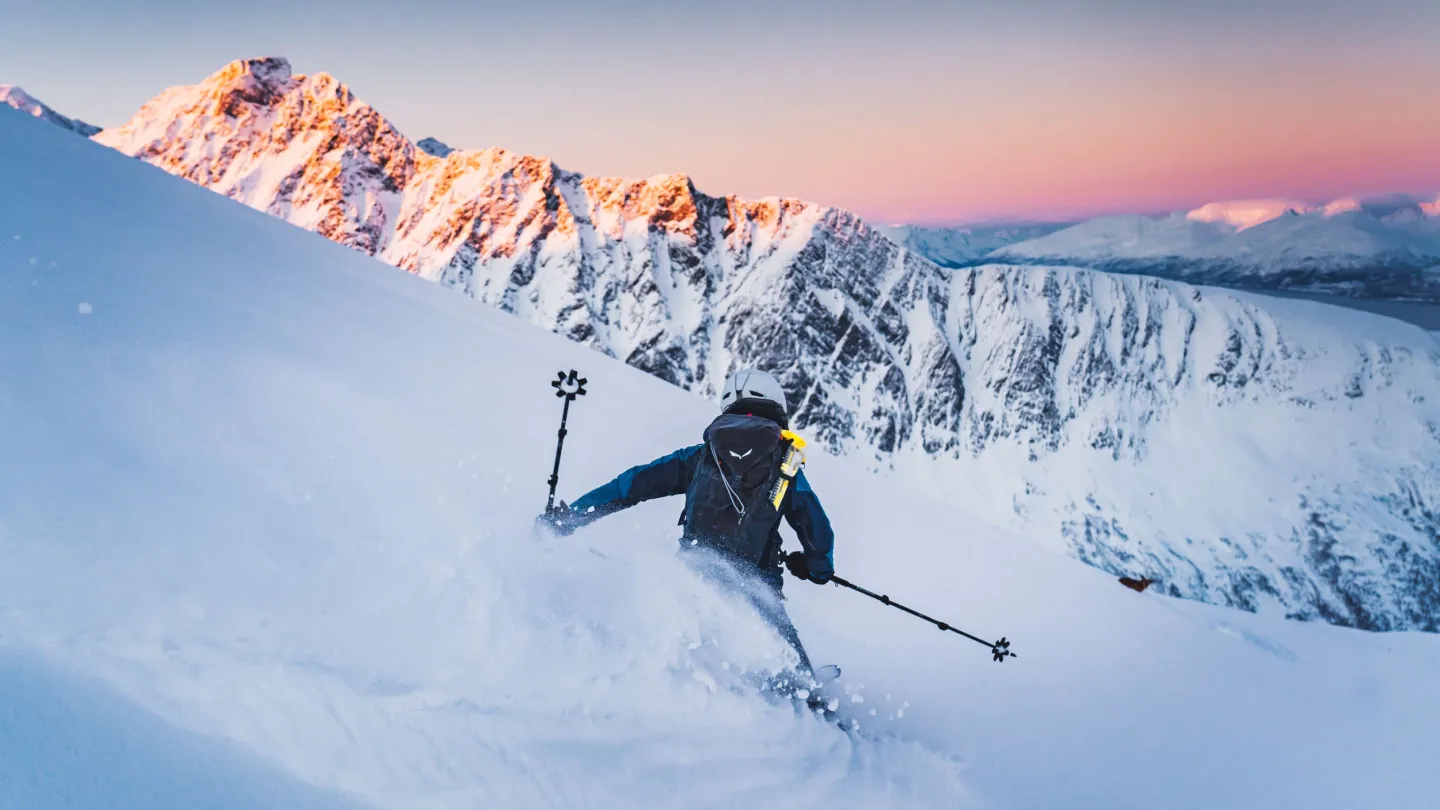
point(799, 568)
point(561, 520)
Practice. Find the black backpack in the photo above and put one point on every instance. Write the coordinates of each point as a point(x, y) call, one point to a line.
point(733, 503)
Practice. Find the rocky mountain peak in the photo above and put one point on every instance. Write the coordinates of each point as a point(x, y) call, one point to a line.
point(433, 147)
point(269, 71)
point(254, 81)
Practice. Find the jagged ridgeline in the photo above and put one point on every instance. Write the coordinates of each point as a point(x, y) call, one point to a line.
point(16, 97)
point(1268, 455)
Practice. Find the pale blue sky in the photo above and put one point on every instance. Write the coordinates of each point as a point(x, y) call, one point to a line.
point(930, 111)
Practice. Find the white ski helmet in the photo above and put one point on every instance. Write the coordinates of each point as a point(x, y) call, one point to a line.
point(750, 383)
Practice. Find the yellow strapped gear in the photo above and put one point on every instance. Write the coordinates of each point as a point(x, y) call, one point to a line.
point(789, 468)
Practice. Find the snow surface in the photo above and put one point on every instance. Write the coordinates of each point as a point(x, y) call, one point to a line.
point(70, 743)
point(267, 543)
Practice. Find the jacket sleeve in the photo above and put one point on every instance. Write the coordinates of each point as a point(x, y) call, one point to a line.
point(807, 517)
point(668, 475)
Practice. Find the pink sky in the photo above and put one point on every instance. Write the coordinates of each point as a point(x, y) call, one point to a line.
point(1142, 142)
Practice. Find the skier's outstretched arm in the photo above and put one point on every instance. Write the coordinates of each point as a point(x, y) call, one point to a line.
point(668, 475)
point(807, 517)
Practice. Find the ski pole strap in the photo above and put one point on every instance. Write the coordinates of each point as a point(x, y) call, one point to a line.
point(1000, 650)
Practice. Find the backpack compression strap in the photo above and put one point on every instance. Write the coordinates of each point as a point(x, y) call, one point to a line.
point(789, 468)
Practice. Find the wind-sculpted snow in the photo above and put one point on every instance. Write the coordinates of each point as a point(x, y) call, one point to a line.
point(266, 535)
point(1056, 400)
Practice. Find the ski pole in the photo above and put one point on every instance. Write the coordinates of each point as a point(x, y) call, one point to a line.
point(568, 386)
point(999, 649)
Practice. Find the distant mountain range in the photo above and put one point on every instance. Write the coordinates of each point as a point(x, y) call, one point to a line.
point(1380, 249)
point(967, 245)
point(1145, 426)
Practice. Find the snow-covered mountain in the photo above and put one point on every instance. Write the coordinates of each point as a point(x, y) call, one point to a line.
point(1148, 427)
point(963, 246)
point(266, 543)
point(1242, 214)
point(16, 97)
point(1348, 247)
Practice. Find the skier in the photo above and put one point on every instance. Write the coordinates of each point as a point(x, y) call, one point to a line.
point(737, 484)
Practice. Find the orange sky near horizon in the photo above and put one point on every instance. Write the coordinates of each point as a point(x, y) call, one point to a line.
point(1142, 141)
point(907, 110)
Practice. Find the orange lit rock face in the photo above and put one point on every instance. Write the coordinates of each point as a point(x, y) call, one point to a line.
point(305, 149)
point(302, 148)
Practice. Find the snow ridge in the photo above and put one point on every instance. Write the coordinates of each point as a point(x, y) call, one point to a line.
point(16, 97)
point(1065, 402)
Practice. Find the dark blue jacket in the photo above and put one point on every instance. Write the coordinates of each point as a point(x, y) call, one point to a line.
point(670, 475)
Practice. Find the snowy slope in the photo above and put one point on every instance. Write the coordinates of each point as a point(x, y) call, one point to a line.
point(71, 742)
point(1347, 247)
point(278, 496)
point(895, 361)
point(15, 97)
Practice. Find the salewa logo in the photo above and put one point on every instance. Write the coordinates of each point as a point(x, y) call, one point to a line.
point(738, 456)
